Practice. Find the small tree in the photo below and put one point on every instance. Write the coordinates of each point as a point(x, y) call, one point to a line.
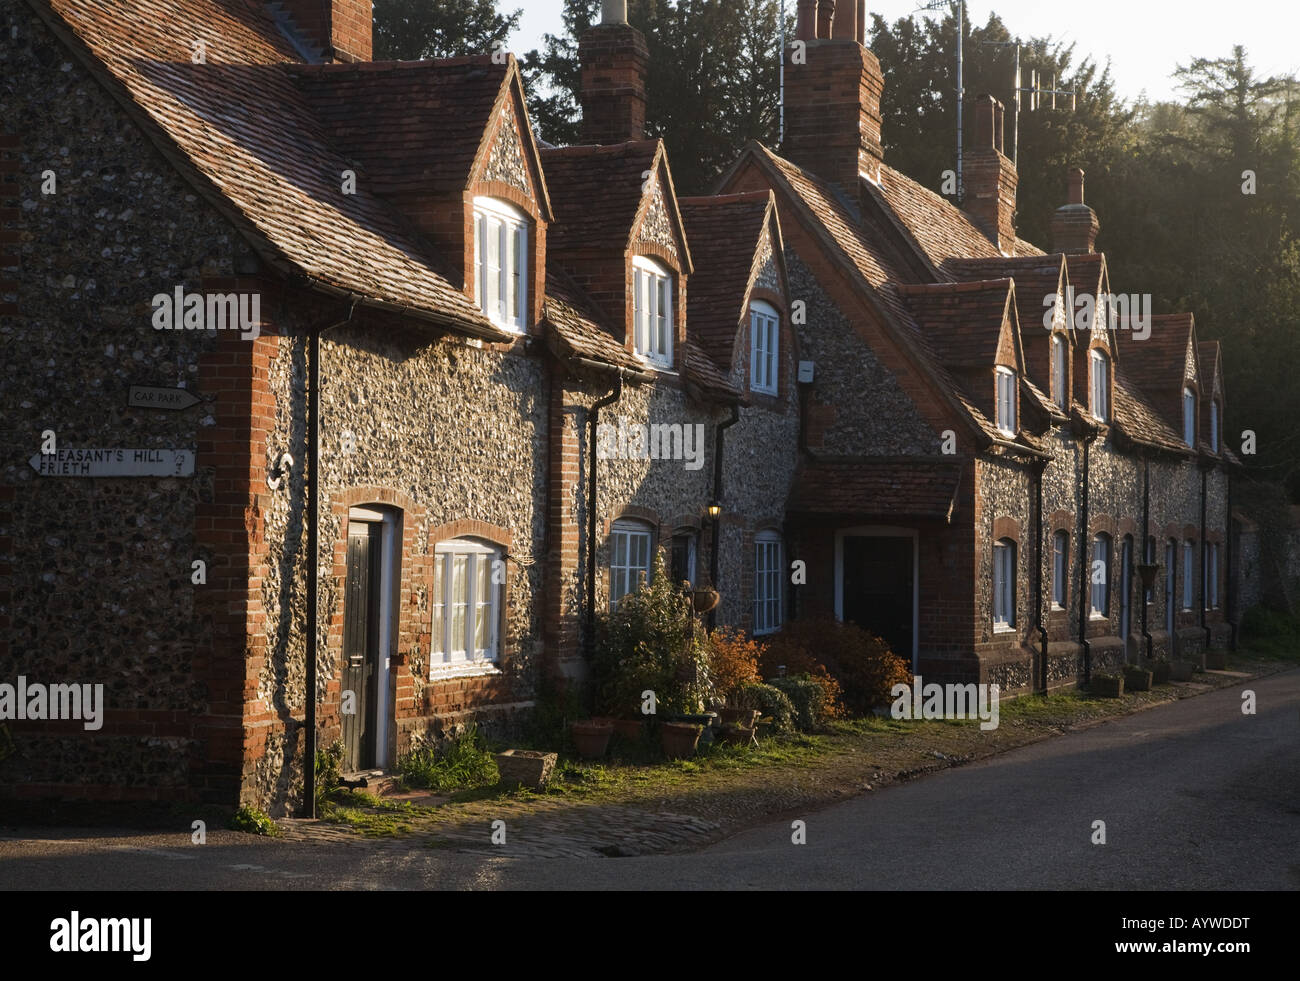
point(652, 642)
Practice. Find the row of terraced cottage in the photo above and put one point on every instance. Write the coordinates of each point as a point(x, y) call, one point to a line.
point(846, 369)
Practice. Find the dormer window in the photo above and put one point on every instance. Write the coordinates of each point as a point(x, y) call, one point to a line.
point(501, 262)
point(1060, 372)
point(764, 329)
point(1214, 426)
point(1189, 417)
point(1099, 404)
point(653, 311)
point(1006, 381)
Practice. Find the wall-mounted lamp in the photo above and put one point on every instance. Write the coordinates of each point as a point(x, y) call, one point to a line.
point(715, 509)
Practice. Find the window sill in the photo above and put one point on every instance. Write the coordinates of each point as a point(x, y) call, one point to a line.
point(1003, 629)
point(1098, 616)
point(463, 669)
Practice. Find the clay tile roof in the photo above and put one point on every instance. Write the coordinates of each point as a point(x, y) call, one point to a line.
point(1138, 420)
point(574, 326)
point(244, 134)
point(1084, 271)
point(725, 232)
point(416, 125)
point(962, 320)
point(941, 229)
point(880, 487)
point(877, 263)
point(1035, 277)
point(595, 195)
point(1156, 364)
point(704, 380)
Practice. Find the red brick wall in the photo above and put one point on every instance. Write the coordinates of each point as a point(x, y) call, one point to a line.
point(615, 62)
point(342, 28)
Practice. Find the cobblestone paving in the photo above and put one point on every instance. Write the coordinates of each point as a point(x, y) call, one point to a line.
point(533, 830)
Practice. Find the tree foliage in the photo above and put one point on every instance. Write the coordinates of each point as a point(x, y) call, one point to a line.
point(409, 30)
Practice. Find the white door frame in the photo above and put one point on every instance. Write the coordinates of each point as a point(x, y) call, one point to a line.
point(388, 584)
point(883, 531)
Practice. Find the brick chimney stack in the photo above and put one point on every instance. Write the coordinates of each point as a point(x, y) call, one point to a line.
point(991, 178)
point(342, 29)
point(1075, 225)
point(833, 86)
point(615, 63)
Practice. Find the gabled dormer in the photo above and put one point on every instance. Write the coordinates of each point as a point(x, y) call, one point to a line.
point(1166, 367)
point(1212, 402)
point(618, 233)
point(449, 142)
point(739, 298)
point(1095, 353)
point(974, 328)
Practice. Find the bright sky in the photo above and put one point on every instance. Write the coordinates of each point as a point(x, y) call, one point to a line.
point(1144, 39)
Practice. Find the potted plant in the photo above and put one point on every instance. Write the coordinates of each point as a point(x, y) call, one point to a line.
point(633, 730)
point(739, 735)
point(1107, 685)
point(591, 737)
point(743, 717)
point(679, 739)
point(1136, 678)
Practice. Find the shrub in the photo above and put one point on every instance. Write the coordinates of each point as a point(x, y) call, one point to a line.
point(815, 697)
point(733, 658)
point(253, 821)
point(770, 702)
point(329, 762)
point(653, 642)
point(860, 662)
point(457, 764)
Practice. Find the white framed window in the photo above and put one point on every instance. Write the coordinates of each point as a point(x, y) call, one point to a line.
point(629, 559)
point(764, 334)
point(767, 582)
point(1060, 372)
point(1006, 382)
point(501, 262)
point(1060, 569)
point(1004, 585)
point(466, 602)
point(1189, 574)
point(1100, 593)
point(1100, 392)
point(1189, 417)
point(1214, 426)
point(653, 311)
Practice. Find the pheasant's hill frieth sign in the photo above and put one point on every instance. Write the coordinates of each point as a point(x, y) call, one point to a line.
point(114, 463)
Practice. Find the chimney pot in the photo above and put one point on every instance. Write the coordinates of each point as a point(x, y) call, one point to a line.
point(1076, 186)
point(806, 26)
point(825, 18)
point(991, 178)
point(613, 12)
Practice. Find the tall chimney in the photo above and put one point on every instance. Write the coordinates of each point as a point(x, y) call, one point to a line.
point(615, 61)
point(833, 87)
point(1075, 225)
point(991, 178)
point(342, 29)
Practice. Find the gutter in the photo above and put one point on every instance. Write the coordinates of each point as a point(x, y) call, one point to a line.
point(1087, 434)
point(1148, 559)
point(717, 496)
point(1038, 571)
point(593, 419)
point(1205, 476)
point(1231, 599)
point(313, 558)
point(1007, 444)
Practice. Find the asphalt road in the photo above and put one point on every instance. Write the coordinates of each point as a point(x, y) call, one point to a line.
point(1194, 795)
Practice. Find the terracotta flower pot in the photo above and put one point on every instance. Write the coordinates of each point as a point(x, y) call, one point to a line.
point(679, 739)
point(591, 738)
point(738, 735)
point(525, 768)
point(633, 730)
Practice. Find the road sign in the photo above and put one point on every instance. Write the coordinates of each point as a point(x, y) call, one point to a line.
point(114, 463)
point(148, 397)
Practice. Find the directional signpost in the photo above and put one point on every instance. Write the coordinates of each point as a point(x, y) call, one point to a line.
point(148, 397)
point(114, 463)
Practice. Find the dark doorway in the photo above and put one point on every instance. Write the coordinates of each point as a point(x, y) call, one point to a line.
point(361, 609)
point(879, 588)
